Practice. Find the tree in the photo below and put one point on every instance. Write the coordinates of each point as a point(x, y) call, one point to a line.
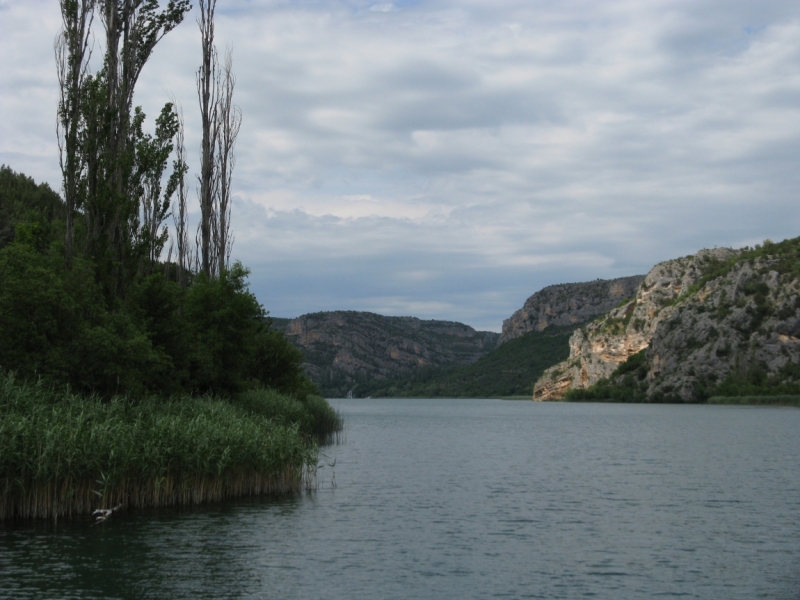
point(72, 64)
point(180, 215)
point(221, 121)
point(112, 169)
point(207, 96)
point(230, 120)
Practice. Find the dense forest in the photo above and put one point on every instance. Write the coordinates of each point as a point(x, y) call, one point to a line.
point(61, 324)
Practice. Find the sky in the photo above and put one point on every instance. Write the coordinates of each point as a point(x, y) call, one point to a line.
point(446, 159)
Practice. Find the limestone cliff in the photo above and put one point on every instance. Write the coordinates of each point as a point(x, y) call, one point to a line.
point(700, 319)
point(744, 323)
point(343, 348)
point(567, 304)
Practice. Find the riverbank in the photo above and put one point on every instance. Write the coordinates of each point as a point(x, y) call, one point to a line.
point(756, 400)
point(64, 454)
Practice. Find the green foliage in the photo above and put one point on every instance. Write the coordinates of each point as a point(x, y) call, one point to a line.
point(225, 319)
point(625, 384)
point(34, 211)
point(755, 381)
point(60, 324)
point(278, 364)
point(312, 415)
point(509, 370)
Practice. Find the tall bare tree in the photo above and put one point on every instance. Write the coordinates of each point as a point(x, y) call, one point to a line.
point(230, 121)
point(221, 120)
point(179, 216)
point(72, 50)
point(207, 89)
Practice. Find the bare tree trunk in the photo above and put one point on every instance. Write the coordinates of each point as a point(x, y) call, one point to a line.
point(207, 87)
point(230, 120)
point(72, 63)
point(179, 216)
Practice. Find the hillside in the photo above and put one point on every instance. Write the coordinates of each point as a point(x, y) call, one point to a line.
point(373, 355)
point(508, 370)
point(722, 321)
point(345, 350)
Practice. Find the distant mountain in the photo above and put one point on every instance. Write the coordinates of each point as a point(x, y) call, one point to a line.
point(348, 351)
point(373, 355)
point(566, 304)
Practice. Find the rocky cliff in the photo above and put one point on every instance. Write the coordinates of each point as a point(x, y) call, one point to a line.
point(344, 348)
point(699, 321)
point(567, 304)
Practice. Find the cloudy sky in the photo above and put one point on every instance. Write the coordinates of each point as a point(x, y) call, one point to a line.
point(447, 158)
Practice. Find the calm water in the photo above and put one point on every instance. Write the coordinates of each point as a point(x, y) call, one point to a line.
point(471, 499)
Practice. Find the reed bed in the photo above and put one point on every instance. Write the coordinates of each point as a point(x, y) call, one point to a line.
point(313, 415)
point(63, 454)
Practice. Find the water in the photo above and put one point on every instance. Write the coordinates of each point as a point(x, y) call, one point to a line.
point(470, 499)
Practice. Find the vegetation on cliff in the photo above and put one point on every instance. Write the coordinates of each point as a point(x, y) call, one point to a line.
point(372, 355)
point(729, 326)
point(567, 304)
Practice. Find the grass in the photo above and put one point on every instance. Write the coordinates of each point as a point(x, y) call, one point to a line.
point(755, 400)
point(63, 454)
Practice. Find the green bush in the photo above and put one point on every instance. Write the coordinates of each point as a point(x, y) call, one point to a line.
point(625, 384)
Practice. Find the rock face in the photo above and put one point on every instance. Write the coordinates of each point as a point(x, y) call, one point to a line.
point(345, 347)
point(700, 319)
point(746, 320)
point(567, 304)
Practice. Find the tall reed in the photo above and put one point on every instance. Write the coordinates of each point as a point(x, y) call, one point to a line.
point(63, 454)
point(313, 415)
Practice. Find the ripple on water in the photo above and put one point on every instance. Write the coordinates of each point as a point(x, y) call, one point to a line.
point(470, 499)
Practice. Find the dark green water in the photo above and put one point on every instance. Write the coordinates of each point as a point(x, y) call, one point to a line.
point(471, 499)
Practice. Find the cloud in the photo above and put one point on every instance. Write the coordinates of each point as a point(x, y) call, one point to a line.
point(449, 158)
point(385, 8)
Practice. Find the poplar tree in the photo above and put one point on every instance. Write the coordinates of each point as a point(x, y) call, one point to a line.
point(230, 120)
point(112, 168)
point(72, 52)
point(207, 96)
point(221, 121)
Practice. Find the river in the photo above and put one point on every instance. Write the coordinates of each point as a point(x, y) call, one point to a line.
point(470, 499)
